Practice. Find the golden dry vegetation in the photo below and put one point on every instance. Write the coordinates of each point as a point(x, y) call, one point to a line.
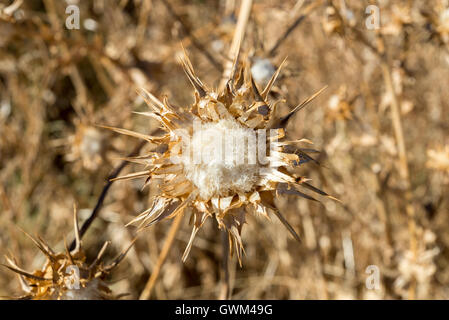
point(381, 126)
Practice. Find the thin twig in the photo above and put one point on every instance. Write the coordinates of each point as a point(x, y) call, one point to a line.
point(146, 293)
point(293, 26)
point(196, 43)
point(403, 167)
point(381, 52)
point(104, 192)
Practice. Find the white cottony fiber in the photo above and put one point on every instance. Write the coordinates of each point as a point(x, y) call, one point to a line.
point(224, 159)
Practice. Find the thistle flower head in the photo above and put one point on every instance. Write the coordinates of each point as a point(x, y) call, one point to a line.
point(66, 275)
point(210, 160)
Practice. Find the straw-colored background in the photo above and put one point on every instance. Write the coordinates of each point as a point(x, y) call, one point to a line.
point(56, 83)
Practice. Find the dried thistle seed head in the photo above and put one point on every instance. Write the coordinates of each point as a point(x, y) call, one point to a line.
point(67, 275)
point(215, 188)
point(215, 176)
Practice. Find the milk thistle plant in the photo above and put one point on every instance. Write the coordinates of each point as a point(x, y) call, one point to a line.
point(202, 162)
point(67, 275)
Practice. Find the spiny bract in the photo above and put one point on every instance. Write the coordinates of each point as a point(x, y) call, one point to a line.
point(213, 188)
point(67, 275)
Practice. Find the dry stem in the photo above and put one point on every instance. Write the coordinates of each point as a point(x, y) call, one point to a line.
point(225, 292)
point(403, 165)
point(245, 10)
point(146, 293)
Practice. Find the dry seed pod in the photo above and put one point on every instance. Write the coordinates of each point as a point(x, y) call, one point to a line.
point(87, 146)
point(215, 188)
point(67, 275)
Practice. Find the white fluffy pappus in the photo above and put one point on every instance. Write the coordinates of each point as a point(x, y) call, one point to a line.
point(224, 159)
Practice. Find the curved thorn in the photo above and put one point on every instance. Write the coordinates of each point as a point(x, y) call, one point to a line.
point(282, 123)
point(310, 187)
point(256, 91)
point(188, 70)
point(190, 243)
point(287, 225)
point(39, 245)
point(121, 256)
point(69, 255)
point(272, 80)
point(150, 99)
point(24, 273)
point(100, 255)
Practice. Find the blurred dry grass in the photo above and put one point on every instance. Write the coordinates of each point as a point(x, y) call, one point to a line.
point(55, 84)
